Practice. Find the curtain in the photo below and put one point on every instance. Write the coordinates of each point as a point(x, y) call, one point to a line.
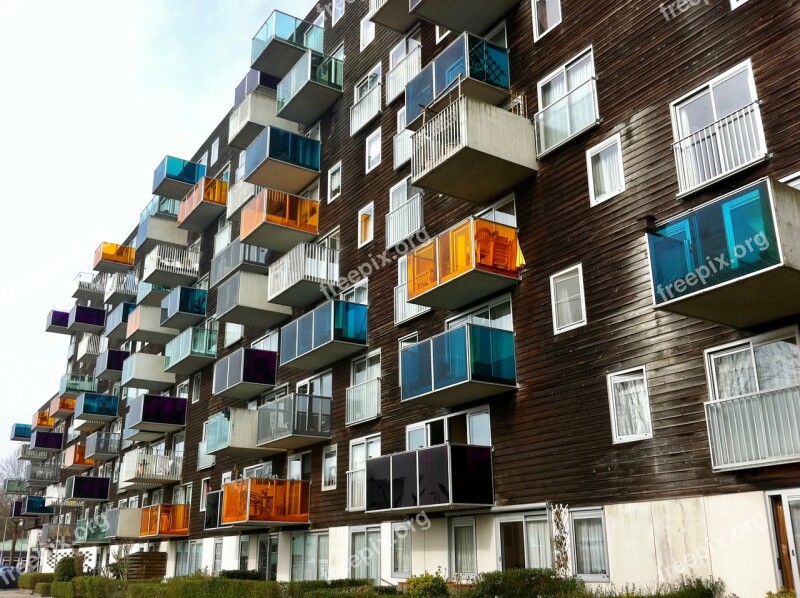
point(567, 293)
point(538, 538)
point(555, 121)
point(590, 555)
point(778, 364)
point(581, 96)
point(734, 373)
point(358, 545)
point(374, 558)
point(401, 548)
point(310, 550)
point(297, 558)
point(606, 172)
point(322, 556)
point(631, 405)
point(464, 550)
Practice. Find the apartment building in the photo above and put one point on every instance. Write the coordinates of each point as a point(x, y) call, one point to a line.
point(470, 285)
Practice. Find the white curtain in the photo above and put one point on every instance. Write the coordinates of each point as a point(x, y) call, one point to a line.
point(358, 544)
point(402, 550)
point(310, 550)
point(631, 406)
point(581, 97)
point(322, 556)
point(555, 121)
point(297, 558)
point(606, 171)
point(590, 554)
point(464, 550)
point(374, 559)
point(567, 292)
point(735, 373)
point(538, 538)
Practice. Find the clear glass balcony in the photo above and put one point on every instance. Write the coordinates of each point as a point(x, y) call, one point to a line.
point(21, 432)
point(144, 468)
point(102, 446)
point(184, 307)
point(567, 117)
point(51, 442)
point(73, 384)
point(239, 257)
point(75, 458)
point(120, 287)
point(26, 453)
point(191, 350)
point(294, 421)
point(310, 89)
point(109, 365)
point(282, 160)
point(117, 321)
point(393, 14)
point(234, 432)
point(403, 72)
point(41, 475)
point(144, 325)
point(245, 373)
point(90, 286)
point(87, 489)
point(158, 225)
point(142, 370)
point(58, 322)
point(42, 421)
point(261, 502)
point(151, 294)
point(123, 523)
point(174, 177)
point(242, 299)
point(363, 402)
point(111, 258)
point(164, 521)
point(281, 41)
point(302, 276)
point(203, 205)
point(279, 221)
point(86, 319)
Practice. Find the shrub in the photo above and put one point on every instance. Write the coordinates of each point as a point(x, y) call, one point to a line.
point(146, 590)
point(427, 585)
point(246, 575)
point(42, 588)
point(98, 587)
point(782, 593)
point(65, 569)
point(362, 592)
point(62, 589)
point(28, 581)
point(524, 582)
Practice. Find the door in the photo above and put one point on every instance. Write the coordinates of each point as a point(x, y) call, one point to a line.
point(268, 556)
point(512, 544)
point(786, 522)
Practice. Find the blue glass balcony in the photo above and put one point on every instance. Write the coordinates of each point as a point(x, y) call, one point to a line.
point(96, 409)
point(462, 15)
point(734, 260)
point(58, 322)
point(310, 89)
point(481, 66)
point(35, 505)
point(87, 319)
point(331, 332)
point(282, 160)
point(72, 385)
point(242, 299)
point(102, 446)
point(294, 421)
point(156, 414)
point(437, 478)
point(174, 178)
point(459, 366)
point(281, 42)
point(184, 307)
point(21, 432)
point(51, 442)
point(151, 294)
point(142, 370)
point(191, 350)
point(109, 364)
point(85, 488)
point(117, 321)
point(246, 373)
point(234, 432)
point(239, 257)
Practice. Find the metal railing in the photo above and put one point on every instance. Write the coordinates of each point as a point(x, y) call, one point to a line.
point(124, 283)
point(177, 260)
point(91, 283)
point(144, 464)
point(307, 261)
point(404, 221)
point(42, 473)
point(91, 345)
point(357, 490)
point(403, 310)
point(240, 193)
point(26, 453)
point(365, 109)
point(403, 146)
point(439, 138)
point(402, 73)
point(363, 402)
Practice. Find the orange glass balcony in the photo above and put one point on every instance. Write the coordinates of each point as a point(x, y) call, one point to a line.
point(258, 502)
point(111, 257)
point(279, 221)
point(473, 260)
point(61, 407)
point(164, 521)
point(43, 422)
point(204, 204)
point(75, 458)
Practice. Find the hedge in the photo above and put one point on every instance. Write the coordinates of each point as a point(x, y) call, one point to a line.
point(62, 589)
point(42, 588)
point(28, 581)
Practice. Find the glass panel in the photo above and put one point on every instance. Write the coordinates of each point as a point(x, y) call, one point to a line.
point(433, 476)
point(378, 484)
point(512, 544)
point(590, 554)
point(404, 480)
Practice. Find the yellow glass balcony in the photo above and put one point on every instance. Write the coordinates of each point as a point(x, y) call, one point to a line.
point(61, 407)
point(164, 520)
point(279, 221)
point(111, 257)
point(204, 204)
point(256, 501)
point(42, 422)
point(75, 458)
point(474, 259)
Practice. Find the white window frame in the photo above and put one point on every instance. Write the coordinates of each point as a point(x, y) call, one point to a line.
point(213, 152)
point(453, 523)
point(423, 425)
point(247, 472)
point(298, 458)
point(195, 388)
point(490, 212)
point(327, 452)
point(271, 338)
point(441, 33)
point(406, 528)
point(337, 11)
point(737, 3)
point(369, 208)
point(610, 379)
point(589, 513)
point(537, 35)
point(579, 323)
point(793, 180)
point(349, 294)
point(562, 70)
point(524, 518)
point(376, 135)
point(367, 31)
point(466, 316)
point(369, 552)
point(616, 140)
point(331, 172)
point(205, 490)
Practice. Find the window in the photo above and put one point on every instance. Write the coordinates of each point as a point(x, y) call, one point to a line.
point(233, 333)
point(364, 369)
point(214, 154)
point(367, 32)
point(183, 390)
point(494, 314)
point(359, 293)
point(441, 33)
point(546, 15)
point(366, 218)
point(337, 11)
point(402, 193)
point(463, 548)
point(588, 534)
point(361, 449)
point(217, 566)
point(262, 471)
point(203, 159)
point(367, 83)
point(320, 20)
point(365, 553)
point(226, 477)
point(567, 297)
point(182, 559)
point(401, 549)
point(525, 541)
point(309, 556)
point(466, 427)
point(334, 182)
point(182, 495)
point(268, 342)
point(244, 552)
point(502, 212)
point(238, 174)
point(339, 53)
point(404, 48)
point(300, 467)
point(329, 468)
point(373, 152)
point(195, 556)
point(793, 180)
point(737, 3)
point(606, 175)
point(196, 387)
point(226, 173)
point(205, 488)
point(320, 385)
point(630, 405)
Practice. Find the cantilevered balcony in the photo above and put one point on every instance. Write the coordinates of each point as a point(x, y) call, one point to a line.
point(164, 521)
point(61, 533)
point(184, 307)
point(245, 373)
point(143, 468)
point(86, 319)
point(110, 257)
point(73, 384)
point(310, 89)
point(117, 321)
point(156, 413)
point(123, 523)
point(734, 260)
point(90, 347)
point(158, 225)
point(459, 366)
point(103, 446)
point(109, 365)
point(334, 330)
point(281, 42)
point(120, 287)
point(41, 475)
point(171, 266)
point(363, 402)
point(174, 178)
point(204, 204)
point(91, 531)
point(142, 370)
point(61, 407)
point(36, 505)
point(469, 136)
point(151, 294)
point(474, 67)
point(393, 14)
point(279, 221)
point(93, 410)
point(26, 453)
point(254, 109)
point(294, 421)
point(567, 117)
point(282, 160)
point(302, 276)
point(265, 502)
point(144, 325)
point(87, 488)
point(242, 299)
point(459, 15)
point(58, 322)
point(439, 478)
point(238, 257)
point(366, 108)
point(405, 221)
point(90, 286)
point(234, 432)
point(404, 71)
point(16, 511)
point(15, 486)
point(191, 350)
point(239, 194)
point(21, 432)
point(42, 422)
point(75, 458)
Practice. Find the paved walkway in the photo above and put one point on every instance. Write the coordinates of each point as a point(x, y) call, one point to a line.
point(14, 593)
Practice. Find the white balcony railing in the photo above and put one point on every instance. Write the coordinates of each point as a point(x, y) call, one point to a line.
point(375, 5)
point(403, 310)
point(404, 221)
point(753, 431)
point(91, 283)
point(144, 464)
point(402, 73)
point(439, 138)
point(307, 261)
point(728, 145)
point(91, 345)
point(357, 490)
point(239, 194)
point(567, 117)
point(204, 460)
point(222, 239)
point(365, 109)
point(363, 402)
point(402, 147)
point(175, 260)
point(123, 283)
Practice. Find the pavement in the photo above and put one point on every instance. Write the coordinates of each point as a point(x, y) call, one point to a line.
point(14, 593)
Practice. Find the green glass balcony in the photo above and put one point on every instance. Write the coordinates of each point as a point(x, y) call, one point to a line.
point(72, 385)
point(282, 160)
point(15, 486)
point(91, 531)
point(183, 307)
point(191, 350)
point(310, 89)
point(281, 42)
point(234, 432)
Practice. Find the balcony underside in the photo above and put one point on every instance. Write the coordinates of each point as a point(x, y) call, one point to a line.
point(143, 435)
point(78, 467)
point(88, 358)
point(202, 216)
point(463, 290)
point(301, 294)
point(112, 267)
point(172, 188)
point(143, 482)
point(182, 320)
point(394, 15)
point(87, 426)
point(282, 176)
point(475, 16)
point(101, 455)
point(277, 237)
point(294, 442)
point(459, 394)
point(63, 413)
point(150, 382)
point(118, 296)
point(267, 316)
point(246, 451)
point(278, 58)
point(245, 390)
point(309, 103)
point(88, 295)
point(324, 355)
point(87, 328)
point(153, 336)
point(166, 278)
point(190, 364)
point(118, 332)
point(162, 231)
point(246, 134)
point(108, 374)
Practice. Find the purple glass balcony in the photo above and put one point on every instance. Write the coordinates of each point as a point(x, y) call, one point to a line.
point(47, 441)
point(21, 432)
point(246, 373)
point(16, 510)
point(87, 319)
point(87, 488)
point(58, 322)
point(109, 365)
point(155, 413)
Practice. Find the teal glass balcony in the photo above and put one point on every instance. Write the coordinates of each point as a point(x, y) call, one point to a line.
point(459, 366)
point(72, 385)
point(393, 14)
point(332, 331)
point(93, 410)
point(242, 299)
point(91, 531)
point(282, 160)
point(310, 89)
point(734, 260)
point(281, 42)
point(174, 177)
point(481, 67)
point(142, 370)
point(151, 294)
point(117, 321)
point(234, 432)
point(461, 15)
point(158, 224)
point(294, 421)
point(191, 350)
point(21, 432)
point(184, 307)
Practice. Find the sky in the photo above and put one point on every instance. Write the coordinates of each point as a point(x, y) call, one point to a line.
point(93, 94)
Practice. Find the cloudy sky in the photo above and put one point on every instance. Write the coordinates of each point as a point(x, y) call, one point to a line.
point(93, 94)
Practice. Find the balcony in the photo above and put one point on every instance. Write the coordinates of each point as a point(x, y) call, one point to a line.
point(164, 521)
point(311, 88)
point(35, 505)
point(110, 258)
point(403, 72)
point(16, 510)
point(239, 194)
point(282, 160)
point(90, 347)
point(103, 446)
point(726, 146)
point(242, 299)
point(365, 110)
point(457, 15)
point(234, 433)
point(158, 225)
point(281, 42)
point(117, 321)
point(213, 514)
point(473, 260)
point(91, 531)
point(169, 266)
point(191, 350)
point(294, 421)
point(120, 287)
point(363, 402)
point(26, 453)
point(15, 486)
point(734, 260)
point(87, 489)
point(72, 385)
point(21, 432)
point(142, 370)
point(58, 322)
point(567, 117)
point(174, 178)
point(41, 475)
point(402, 148)
point(42, 422)
point(459, 366)
point(302, 276)
point(471, 65)
point(356, 490)
point(403, 310)
point(467, 136)
point(151, 294)
point(246, 373)
point(393, 14)
point(404, 222)
point(184, 307)
point(90, 286)
point(123, 523)
point(279, 221)
point(61, 407)
point(94, 410)
point(75, 458)
point(439, 478)
point(86, 319)
point(334, 330)
point(238, 257)
point(156, 414)
point(61, 533)
point(144, 325)
point(109, 365)
point(143, 468)
point(255, 108)
point(204, 460)
point(265, 502)
point(203, 205)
